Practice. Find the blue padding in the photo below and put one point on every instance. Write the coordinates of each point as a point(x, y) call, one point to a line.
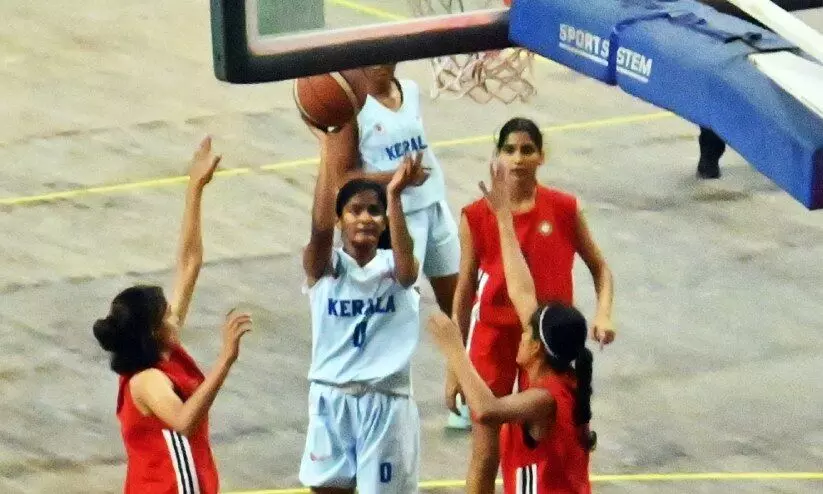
point(688, 58)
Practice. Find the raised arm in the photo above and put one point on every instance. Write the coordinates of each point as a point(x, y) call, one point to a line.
point(345, 159)
point(519, 280)
point(317, 253)
point(406, 266)
point(190, 249)
point(532, 405)
point(154, 392)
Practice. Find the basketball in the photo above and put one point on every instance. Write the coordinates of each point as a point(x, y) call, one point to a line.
point(328, 101)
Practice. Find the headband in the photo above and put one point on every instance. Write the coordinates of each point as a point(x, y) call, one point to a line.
point(542, 336)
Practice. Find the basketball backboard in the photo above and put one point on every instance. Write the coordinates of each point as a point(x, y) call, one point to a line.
point(681, 55)
point(272, 40)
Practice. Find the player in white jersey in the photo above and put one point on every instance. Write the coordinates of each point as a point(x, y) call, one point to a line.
point(365, 308)
point(387, 127)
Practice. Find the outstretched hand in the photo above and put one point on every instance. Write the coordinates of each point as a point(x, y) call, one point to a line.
point(497, 196)
point(452, 391)
point(411, 172)
point(236, 325)
point(203, 163)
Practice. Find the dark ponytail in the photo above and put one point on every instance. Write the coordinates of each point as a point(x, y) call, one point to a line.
point(583, 401)
point(562, 329)
point(583, 373)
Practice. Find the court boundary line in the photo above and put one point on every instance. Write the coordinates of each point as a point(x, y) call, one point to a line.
point(608, 478)
point(283, 165)
point(371, 11)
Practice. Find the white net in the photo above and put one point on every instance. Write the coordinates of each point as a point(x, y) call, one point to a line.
point(503, 75)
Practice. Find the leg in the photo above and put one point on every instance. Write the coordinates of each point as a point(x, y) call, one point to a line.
point(493, 352)
point(441, 267)
point(388, 449)
point(711, 149)
point(328, 464)
point(442, 258)
point(484, 459)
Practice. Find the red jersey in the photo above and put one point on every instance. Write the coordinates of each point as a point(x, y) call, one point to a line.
point(547, 235)
point(558, 463)
point(160, 460)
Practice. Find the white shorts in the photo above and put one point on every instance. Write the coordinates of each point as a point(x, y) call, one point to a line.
point(371, 441)
point(436, 242)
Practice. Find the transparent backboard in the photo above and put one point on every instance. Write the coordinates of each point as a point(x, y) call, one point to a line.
point(273, 40)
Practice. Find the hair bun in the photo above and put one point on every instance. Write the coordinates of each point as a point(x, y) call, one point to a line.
point(105, 334)
point(589, 439)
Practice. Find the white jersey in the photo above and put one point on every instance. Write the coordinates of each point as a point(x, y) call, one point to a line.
point(387, 135)
point(365, 326)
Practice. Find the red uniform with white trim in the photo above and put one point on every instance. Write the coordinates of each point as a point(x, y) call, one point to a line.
point(160, 460)
point(558, 463)
point(547, 235)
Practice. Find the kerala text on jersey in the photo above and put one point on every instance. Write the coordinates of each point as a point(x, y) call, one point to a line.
point(402, 148)
point(361, 307)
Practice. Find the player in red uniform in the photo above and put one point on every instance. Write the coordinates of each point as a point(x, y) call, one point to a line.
point(545, 441)
point(551, 230)
point(164, 399)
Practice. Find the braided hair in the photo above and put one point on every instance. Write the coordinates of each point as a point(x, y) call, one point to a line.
point(562, 330)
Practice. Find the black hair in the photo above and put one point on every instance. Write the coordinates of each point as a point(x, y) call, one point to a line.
point(129, 331)
point(519, 124)
point(562, 329)
point(356, 186)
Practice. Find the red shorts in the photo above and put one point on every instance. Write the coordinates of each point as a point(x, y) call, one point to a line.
point(493, 352)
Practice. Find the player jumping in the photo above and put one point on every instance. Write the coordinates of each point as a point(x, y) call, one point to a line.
point(363, 423)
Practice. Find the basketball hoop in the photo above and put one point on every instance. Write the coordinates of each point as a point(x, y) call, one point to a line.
point(504, 75)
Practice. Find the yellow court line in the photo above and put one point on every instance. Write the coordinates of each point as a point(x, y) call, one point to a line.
point(107, 189)
point(586, 125)
point(160, 182)
point(636, 477)
point(365, 9)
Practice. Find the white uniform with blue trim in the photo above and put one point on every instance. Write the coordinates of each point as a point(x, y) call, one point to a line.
point(385, 137)
point(363, 423)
